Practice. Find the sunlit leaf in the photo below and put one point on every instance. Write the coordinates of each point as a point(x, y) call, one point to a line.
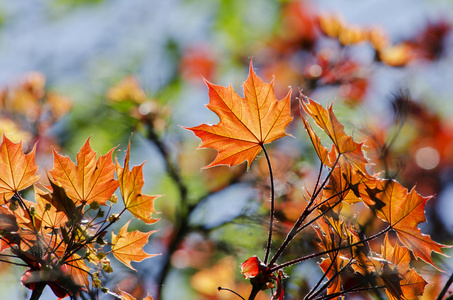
point(320, 149)
point(245, 123)
point(126, 296)
point(60, 200)
point(411, 284)
point(128, 246)
point(403, 211)
point(47, 213)
point(332, 265)
point(17, 170)
point(351, 152)
point(78, 270)
point(252, 267)
point(131, 183)
point(90, 180)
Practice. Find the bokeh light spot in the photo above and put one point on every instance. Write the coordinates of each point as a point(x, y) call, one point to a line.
point(427, 158)
point(315, 70)
point(146, 108)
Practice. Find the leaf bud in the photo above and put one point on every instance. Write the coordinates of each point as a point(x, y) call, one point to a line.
point(100, 241)
point(13, 206)
point(106, 267)
point(32, 211)
point(94, 205)
point(96, 282)
point(113, 218)
point(114, 198)
point(100, 214)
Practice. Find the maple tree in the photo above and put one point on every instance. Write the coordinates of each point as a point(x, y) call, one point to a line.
point(350, 222)
point(350, 266)
point(61, 238)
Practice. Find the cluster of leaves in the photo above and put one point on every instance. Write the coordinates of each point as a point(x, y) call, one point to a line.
point(247, 124)
point(427, 46)
point(305, 38)
point(61, 236)
point(310, 50)
point(28, 110)
point(313, 50)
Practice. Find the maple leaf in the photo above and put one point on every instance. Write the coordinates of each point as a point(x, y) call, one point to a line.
point(131, 183)
point(126, 296)
point(90, 180)
point(336, 191)
point(57, 197)
point(411, 284)
point(352, 156)
point(403, 211)
point(128, 246)
point(8, 227)
point(320, 149)
point(8, 221)
point(334, 263)
point(331, 269)
point(78, 270)
point(17, 170)
point(47, 213)
point(245, 123)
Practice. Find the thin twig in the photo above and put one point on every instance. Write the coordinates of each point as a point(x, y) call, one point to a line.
point(296, 227)
point(272, 210)
point(446, 287)
point(324, 275)
point(301, 259)
point(353, 289)
point(230, 290)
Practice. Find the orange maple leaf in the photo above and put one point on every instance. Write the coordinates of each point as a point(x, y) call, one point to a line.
point(78, 270)
point(17, 170)
point(131, 184)
point(57, 197)
point(412, 285)
point(351, 151)
point(322, 151)
point(126, 296)
point(128, 246)
point(334, 263)
point(403, 211)
point(90, 180)
point(245, 123)
point(49, 216)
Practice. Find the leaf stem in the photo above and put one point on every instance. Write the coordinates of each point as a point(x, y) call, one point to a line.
point(272, 210)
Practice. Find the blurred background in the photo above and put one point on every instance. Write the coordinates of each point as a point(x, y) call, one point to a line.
point(117, 70)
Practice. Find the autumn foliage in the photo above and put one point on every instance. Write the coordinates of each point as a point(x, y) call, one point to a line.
point(294, 200)
point(245, 124)
point(348, 263)
point(61, 236)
